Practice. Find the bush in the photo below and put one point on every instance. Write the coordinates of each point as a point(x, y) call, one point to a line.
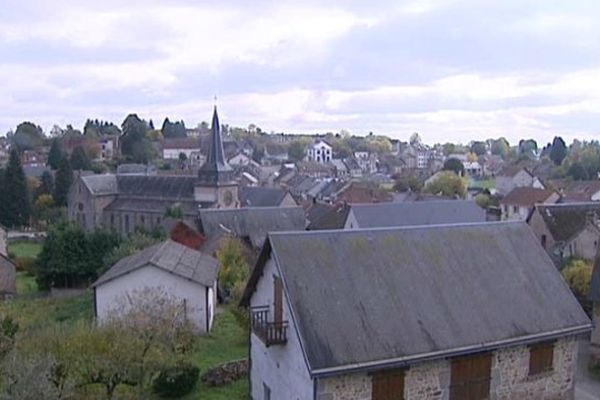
point(25, 264)
point(176, 381)
point(578, 275)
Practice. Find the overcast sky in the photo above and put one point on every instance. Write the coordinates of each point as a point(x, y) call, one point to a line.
point(450, 70)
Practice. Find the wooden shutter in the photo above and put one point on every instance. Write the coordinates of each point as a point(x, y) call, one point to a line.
point(470, 377)
point(541, 358)
point(388, 385)
point(278, 300)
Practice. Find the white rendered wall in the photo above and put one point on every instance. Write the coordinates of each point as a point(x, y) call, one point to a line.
point(282, 368)
point(110, 295)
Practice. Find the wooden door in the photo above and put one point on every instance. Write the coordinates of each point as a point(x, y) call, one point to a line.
point(278, 300)
point(388, 385)
point(470, 377)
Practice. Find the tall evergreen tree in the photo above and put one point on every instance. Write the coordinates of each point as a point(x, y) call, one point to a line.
point(55, 154)
point(558, 150)
point(64, 179)
point(80, 160)
point(46, 184)
point(17, 203)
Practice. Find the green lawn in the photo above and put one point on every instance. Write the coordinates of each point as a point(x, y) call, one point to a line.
point(26, 283)
point(24, 249)
point(227, 341)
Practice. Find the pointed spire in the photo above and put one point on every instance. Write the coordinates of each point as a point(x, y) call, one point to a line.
point(215, 170)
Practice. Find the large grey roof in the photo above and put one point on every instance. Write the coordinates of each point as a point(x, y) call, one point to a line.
point(369, 297)
point(171, 257)
point(260, 196)
point(157, 186)
point(564, 221)
point(101, 184)
point(417, 213)
point(141, 204)
point(253, 222)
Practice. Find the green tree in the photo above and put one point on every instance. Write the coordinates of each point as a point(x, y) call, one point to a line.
point(455, 165)
point(500, 147)
point(28, 136)
point(16, 197)
point(70, 257)
point(80, 160)
point(46, 184)
point(234, 270)
point(182, 158)
point(406, 183)
point(64, 180)
point(447, 184)
point(558, 150)
point(135, 145)
point(577, 172)
point(296, 150)
point(578, 275)
point(55, 154)
point(479, 148)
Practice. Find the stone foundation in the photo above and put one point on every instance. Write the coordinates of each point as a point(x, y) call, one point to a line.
point(510, 378)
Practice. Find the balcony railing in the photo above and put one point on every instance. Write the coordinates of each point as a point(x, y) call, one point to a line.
point(269, 332)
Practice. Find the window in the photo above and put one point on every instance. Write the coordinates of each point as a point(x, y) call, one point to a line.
point(266, 391)
point(544, 241)
point(470, 377)
point(541, 358)
point(515, 209)
point(388, 385)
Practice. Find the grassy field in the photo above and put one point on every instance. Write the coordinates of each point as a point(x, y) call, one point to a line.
point(24, 249)
point(227, 341)
point(26, 283)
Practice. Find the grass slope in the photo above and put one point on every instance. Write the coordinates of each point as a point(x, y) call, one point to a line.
point(227, 341)
point(24, 249)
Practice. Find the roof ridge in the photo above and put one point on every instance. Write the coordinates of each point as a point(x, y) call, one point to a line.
point(397, 228)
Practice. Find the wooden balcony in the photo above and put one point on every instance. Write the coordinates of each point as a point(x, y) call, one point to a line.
point(269, 332)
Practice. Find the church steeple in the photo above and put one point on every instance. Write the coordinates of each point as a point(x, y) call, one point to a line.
point(215, 171)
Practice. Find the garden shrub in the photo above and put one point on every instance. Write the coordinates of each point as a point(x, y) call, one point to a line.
point(25, 264)
point(176, 381)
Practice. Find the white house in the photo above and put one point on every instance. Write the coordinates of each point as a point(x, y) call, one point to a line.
point(173, 147)
point(402, 313)
point(514, 176)
point(180, 272)
point(319, 151)
point(519, 203)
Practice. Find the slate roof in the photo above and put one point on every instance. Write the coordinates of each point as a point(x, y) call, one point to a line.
point(564, 221)
point(417, 213)
point(526, 196)
point(512, 170)
point(253, 222)
point(101, 184)
point(170, 256)
point(140, 204)
point(334, 218)
point(158, 186)
point(390, 297)
point(251, 196)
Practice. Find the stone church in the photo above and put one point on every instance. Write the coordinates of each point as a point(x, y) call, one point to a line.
point(124, 202)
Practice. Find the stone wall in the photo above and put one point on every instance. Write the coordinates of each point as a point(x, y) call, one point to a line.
point(510, 378)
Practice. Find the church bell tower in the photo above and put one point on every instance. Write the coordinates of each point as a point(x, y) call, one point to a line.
point(216, 183)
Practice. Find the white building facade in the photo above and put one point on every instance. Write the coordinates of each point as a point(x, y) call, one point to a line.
point(320, 152)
